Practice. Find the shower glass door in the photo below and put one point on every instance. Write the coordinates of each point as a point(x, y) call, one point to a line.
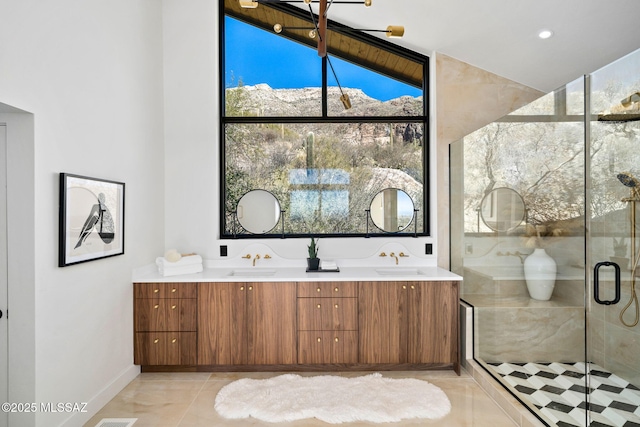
point(613, 245)
point(556, 182)
point(518, 189)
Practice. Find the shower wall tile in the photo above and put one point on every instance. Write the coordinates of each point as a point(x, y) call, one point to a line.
point(596, 340)
point(622, 348)
point(530, 334)
point(467, 98)
point(571, 291)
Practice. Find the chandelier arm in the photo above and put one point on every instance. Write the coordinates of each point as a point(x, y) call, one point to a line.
point(334, 75)
point(327, 9)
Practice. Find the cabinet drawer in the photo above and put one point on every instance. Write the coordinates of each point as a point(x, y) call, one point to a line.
point(327, 314)
point(165, 348)
point(169, 314)
point(327, 289)
point(327, 347)
point(165, 290)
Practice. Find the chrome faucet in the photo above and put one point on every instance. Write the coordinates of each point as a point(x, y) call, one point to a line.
point(255, 258)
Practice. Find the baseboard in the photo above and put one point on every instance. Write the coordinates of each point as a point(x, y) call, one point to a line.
point(98, 401)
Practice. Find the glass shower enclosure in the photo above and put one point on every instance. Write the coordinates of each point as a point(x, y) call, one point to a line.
point(544, 232)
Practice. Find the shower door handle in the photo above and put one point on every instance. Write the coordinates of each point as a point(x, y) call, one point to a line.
point(596, 282)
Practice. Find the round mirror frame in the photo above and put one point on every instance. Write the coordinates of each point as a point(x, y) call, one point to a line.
point(375, 218)
point(502, 209)
point(252, 211)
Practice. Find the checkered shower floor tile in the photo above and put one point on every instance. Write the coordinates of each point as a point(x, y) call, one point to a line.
point(558, 391)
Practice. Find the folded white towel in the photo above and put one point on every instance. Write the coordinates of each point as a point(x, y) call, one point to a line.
point(175, 271)
point(185, 260)
point(329, 265)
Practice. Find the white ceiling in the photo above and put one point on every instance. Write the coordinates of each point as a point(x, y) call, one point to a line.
point(500, 36)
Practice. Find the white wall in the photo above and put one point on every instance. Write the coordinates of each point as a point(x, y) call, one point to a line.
point(192, 139)
point(90, 72)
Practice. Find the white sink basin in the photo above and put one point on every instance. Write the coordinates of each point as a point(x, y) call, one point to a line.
point(399, 272)
point(252, 272)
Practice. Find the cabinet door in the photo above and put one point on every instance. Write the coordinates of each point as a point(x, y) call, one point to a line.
point(156, 314)
point(321, 347)
point(271, 323)
point(325, 314)
point(382, 318)
point(222, 327)
point(433, 322)
point(327, 289)
point(165, 348)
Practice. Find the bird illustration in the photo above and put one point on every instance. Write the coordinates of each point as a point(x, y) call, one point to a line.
point(100, 218)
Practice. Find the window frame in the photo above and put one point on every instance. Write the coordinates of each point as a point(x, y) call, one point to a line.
point(423, 210)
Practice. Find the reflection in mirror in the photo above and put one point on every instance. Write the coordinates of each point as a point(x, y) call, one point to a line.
point(392, 210)
point(258, 211)
point(502, 209)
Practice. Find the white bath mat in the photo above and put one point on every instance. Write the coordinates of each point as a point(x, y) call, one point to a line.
point(332, 399)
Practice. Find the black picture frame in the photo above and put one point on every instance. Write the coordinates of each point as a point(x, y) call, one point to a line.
point(91, 219)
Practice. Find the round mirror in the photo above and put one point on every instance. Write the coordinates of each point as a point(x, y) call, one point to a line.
point(502, 209)
point(392, 210)
point(258, 211)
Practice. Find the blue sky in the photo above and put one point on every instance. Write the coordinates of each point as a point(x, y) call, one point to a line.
point(256, 56)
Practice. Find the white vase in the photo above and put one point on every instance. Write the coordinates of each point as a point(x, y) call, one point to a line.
point(540, 274)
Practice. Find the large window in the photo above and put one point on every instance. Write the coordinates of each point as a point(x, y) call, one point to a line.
point(286, 130)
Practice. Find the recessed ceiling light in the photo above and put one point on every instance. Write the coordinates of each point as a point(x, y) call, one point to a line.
point(545, 34)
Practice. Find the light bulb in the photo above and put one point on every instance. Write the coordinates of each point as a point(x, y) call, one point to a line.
point(248, 4)
point(312, 34)
point(277, 28)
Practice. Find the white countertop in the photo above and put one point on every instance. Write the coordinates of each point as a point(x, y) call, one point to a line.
point(295, 274)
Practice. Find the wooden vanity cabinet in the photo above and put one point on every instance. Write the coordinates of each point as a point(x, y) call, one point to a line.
point(327, 322)
point(408, 323)
point(165, 323)
point(303, 325)
point(246, 323)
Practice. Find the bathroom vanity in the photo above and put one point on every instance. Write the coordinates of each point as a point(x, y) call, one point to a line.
point(283, 319)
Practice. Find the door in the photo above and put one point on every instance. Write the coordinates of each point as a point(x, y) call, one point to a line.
point(432, 326)
point(222, 323)
point(4, 324)
point(271, 323)
point(613, 341)
point(382, 317)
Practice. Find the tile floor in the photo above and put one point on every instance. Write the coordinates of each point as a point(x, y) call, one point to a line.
point(558, 391)
point(186, 400)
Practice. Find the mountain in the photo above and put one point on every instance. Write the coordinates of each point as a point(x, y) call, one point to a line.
point(263, 101)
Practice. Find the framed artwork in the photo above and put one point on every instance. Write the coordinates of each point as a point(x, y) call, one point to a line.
point(91, 219)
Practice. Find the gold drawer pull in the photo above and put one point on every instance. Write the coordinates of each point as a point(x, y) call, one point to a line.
point(404, 286)
point(156, 306)
point(318, 290)
point(336, 339)
point(336, 306)
point(250, 288)
point(413, 287)
point(173, 307)
point(173, 291)
point(319, 339)
point(155, 291)
point(318, 306)
point(242, 288)
point(156, 341)
point(336, 289)
point(173, 340)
